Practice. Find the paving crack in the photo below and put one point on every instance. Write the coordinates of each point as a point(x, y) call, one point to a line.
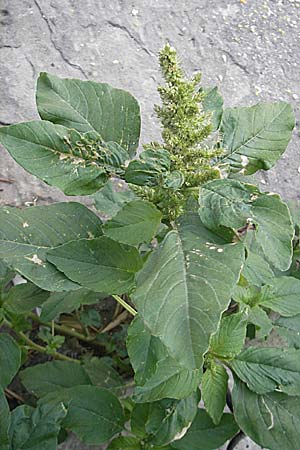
point(136, 39)
point(57, 47)
point(235, 62)
point(9, 46)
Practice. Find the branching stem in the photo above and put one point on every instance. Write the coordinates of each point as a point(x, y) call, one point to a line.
point(125, 305)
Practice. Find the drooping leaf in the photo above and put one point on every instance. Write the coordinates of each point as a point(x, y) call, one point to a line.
point(88, 106)
point(289, 329)
point(66, 302)
point(135, 223)
point(94, 413)
point(184, 287)
point(255, 137)
point(230, 203)
point(229, 339)
point(53, 376)
point(36, 429)
point(51, 153)
point(10, 359)
point(4, 422)
point(24, 297)
point(100, 264)
point(271, 420)
point(102, 374)
point(26, 235)
point(258, 317)
point(109, 201)
point(149, 168)
point(267, 369)
point(213, 102)
point(157, 374)
point(205, 435)
point(214, 389)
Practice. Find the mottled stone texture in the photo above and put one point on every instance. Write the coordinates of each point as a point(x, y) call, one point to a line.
point(248, 48)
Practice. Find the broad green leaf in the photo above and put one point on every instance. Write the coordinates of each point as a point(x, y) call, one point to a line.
point(232, 204)
point(184, 287)
point(110, 201)
point(136, 222)
point(51, 153)
point(289, 329)
point(100, 264)
point(283, 296)
point(6, 275)
point(66, 302)
point(214, 389)
point(157, 374)
point(27, 234)
point(53, 376)
point(149, 168)
point(89, 106)
point(4, 421)
point(36, 429)
point(256, 270)
point(23, 298)
point(94, 413)
point(267, 369)
point(205, 435)
point(10, 359)
point(255, 137)
point(271, 420)
point(125, 443)
point(229, 339)
point(258, 317)
point(102, 374)
point(163, 421)
point(213, 102)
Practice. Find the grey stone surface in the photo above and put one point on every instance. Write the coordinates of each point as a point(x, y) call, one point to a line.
point(248, 48)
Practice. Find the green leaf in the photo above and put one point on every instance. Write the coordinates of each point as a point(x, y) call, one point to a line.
point(149, 168)
point(94, 413)
point(6, 275)
point(157, 374)
point(124, 443)
point(256, 270)
point(229, 339)
point(258, 317)
point(27, 234)
point(109, 201)
point(271, 420)
point(4, 421)
point(23, 298)
point(36, 429)
point(289, 329)
point(255, 137)
point(89, 106)
point(163, 421)
point(205, 435)
point(66, 302)
point(214, 389)
point(51, 153)
point(100, 264)
point(184, 287)
point(102, 374)
point(136, 222)
point(230, 203)
point(267, 369)
point(283, 296)
point(53, 376)
point(213, 102)
point(10, 359)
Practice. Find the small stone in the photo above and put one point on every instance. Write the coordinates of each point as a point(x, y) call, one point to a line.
point(134, 12)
